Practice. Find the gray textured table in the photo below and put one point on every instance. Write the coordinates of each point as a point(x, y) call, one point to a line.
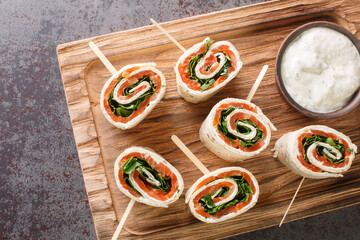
point(41, 185)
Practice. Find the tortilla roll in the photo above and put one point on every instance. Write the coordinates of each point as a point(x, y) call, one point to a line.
point(236, 129)
point(222, 194)
point(316, 151)
point(130, 95)
point(145, 176)
point(205, 69)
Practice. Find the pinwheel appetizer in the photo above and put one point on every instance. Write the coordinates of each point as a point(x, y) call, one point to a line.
point(222, 194)
point(206, 68)
point(128, 97)
point(236, 129)
point(316, 152)
point(146, 177)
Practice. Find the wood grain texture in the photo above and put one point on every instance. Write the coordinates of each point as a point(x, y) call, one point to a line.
point(257, 32)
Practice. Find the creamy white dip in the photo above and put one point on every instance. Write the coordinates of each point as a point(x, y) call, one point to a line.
point(321, 69)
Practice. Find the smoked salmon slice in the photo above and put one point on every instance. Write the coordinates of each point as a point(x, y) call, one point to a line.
point(146, 177)
point(222, 194)
point(236, 129)
point(316, 151)
point(130, 95)
point(205, 69)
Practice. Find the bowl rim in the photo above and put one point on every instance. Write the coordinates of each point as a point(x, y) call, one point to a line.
point(350, 105)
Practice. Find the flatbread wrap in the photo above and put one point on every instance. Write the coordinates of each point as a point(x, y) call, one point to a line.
point(316, 151)
point(145, 176)
point(130, 95)
point(236, 129)
point(222, 194)
point(205, 69)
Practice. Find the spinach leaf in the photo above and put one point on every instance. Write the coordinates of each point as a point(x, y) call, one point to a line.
point(207, 201)
point(125, 110)
point(207, 83)
point(244, 191)
point(330, 141)
point(139, 164)
point(241, 129)
point(308, 141)
point(223, 192)
point(130, 165)
point(129, 183)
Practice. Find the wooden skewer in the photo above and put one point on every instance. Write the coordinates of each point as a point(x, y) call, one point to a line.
point(292, 200)
point(189, 154)
point(167, 34)
point(102, 58)
point(257, 83)
point(113, 71)
point(123, 219)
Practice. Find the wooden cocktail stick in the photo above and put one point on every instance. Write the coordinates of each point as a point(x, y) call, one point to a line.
point(123, 219)
point(189, 154)
point(292, 200)
point(167, 34)
point(257, 83)
point(113, 71)
point(102, 58)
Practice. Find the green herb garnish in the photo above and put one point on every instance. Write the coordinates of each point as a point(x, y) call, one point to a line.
point(207, 83)
point(244, 191)
point(139, 164)
point(125, 110)
point(241, 129)
point(307, 142)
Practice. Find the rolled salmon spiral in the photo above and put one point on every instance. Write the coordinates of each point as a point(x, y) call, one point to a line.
point(236, 129)
point(206, 68)
point(130, 95)
point(222, 194)
point(146, 177)
point(316, 151)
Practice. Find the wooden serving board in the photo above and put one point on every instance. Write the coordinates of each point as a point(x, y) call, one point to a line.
point(257, 32)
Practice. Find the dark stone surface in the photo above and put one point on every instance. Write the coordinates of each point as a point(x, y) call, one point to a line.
point(42, 190)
